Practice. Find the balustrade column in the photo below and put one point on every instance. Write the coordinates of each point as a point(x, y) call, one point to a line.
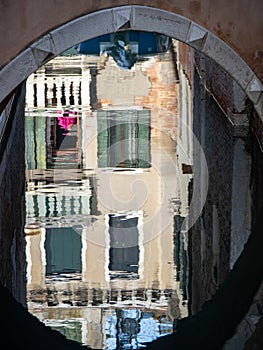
point(67, 91)
point(85, 87)
point(59, 91)
point(49, 92)
point(30, 91)
point(40, 89)
point(42, 204)
point(76, 90)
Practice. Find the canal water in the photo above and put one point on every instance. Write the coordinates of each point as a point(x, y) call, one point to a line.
point(106, 196)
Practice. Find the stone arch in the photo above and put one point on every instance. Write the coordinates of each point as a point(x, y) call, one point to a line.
point(135, 18)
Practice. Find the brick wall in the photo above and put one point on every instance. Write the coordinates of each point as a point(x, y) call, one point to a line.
point(210, 236)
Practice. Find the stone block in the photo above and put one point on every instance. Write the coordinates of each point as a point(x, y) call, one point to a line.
point(259, 106)
point(149, 19)
point(44, 44)
point(239, 98)
point(228, 59)
point(81, 29)
point(196, 36)
point(43, 48)
point(254, 89)
point(17, 71)
point(240, 124)
point(122, 17)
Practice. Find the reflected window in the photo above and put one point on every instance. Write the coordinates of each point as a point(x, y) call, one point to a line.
point(64, 141)
point(180, 256)
point(126, 328)
point(70, 329)
point(124, 139)
point(124, 248)
point(63, 251)
point(35, 142)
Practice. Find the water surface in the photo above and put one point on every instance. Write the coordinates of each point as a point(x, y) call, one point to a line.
point(107, 262)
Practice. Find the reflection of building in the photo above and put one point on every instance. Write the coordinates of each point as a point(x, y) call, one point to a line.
point(125, 47)
point(116, 216)
point(64, 143)
point(102, 328)
point(49, 145)
point(124, 138)
point(219, 217)
point(124, 245)
point(68, 86)
point(35, 140)
point(63, 251)
point(59, 200)
point(184, 153)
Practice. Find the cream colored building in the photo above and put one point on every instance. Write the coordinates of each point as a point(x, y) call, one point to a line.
point(111, 200)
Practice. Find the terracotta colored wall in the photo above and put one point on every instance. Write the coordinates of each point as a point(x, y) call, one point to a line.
point(238, 22)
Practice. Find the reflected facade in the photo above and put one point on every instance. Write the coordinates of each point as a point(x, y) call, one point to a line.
point(108, 179)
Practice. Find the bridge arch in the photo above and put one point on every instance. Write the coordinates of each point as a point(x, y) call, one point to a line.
point(131, 17)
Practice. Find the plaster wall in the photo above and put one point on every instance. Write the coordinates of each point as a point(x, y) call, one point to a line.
point(24, 21)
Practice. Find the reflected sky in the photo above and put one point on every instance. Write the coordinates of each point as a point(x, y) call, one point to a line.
point(106, 196)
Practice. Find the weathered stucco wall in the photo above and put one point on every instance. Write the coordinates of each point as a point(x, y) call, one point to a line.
point(42, 32)
point(238, 23)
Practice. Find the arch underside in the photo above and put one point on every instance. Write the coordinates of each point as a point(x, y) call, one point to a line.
point(134, 18)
